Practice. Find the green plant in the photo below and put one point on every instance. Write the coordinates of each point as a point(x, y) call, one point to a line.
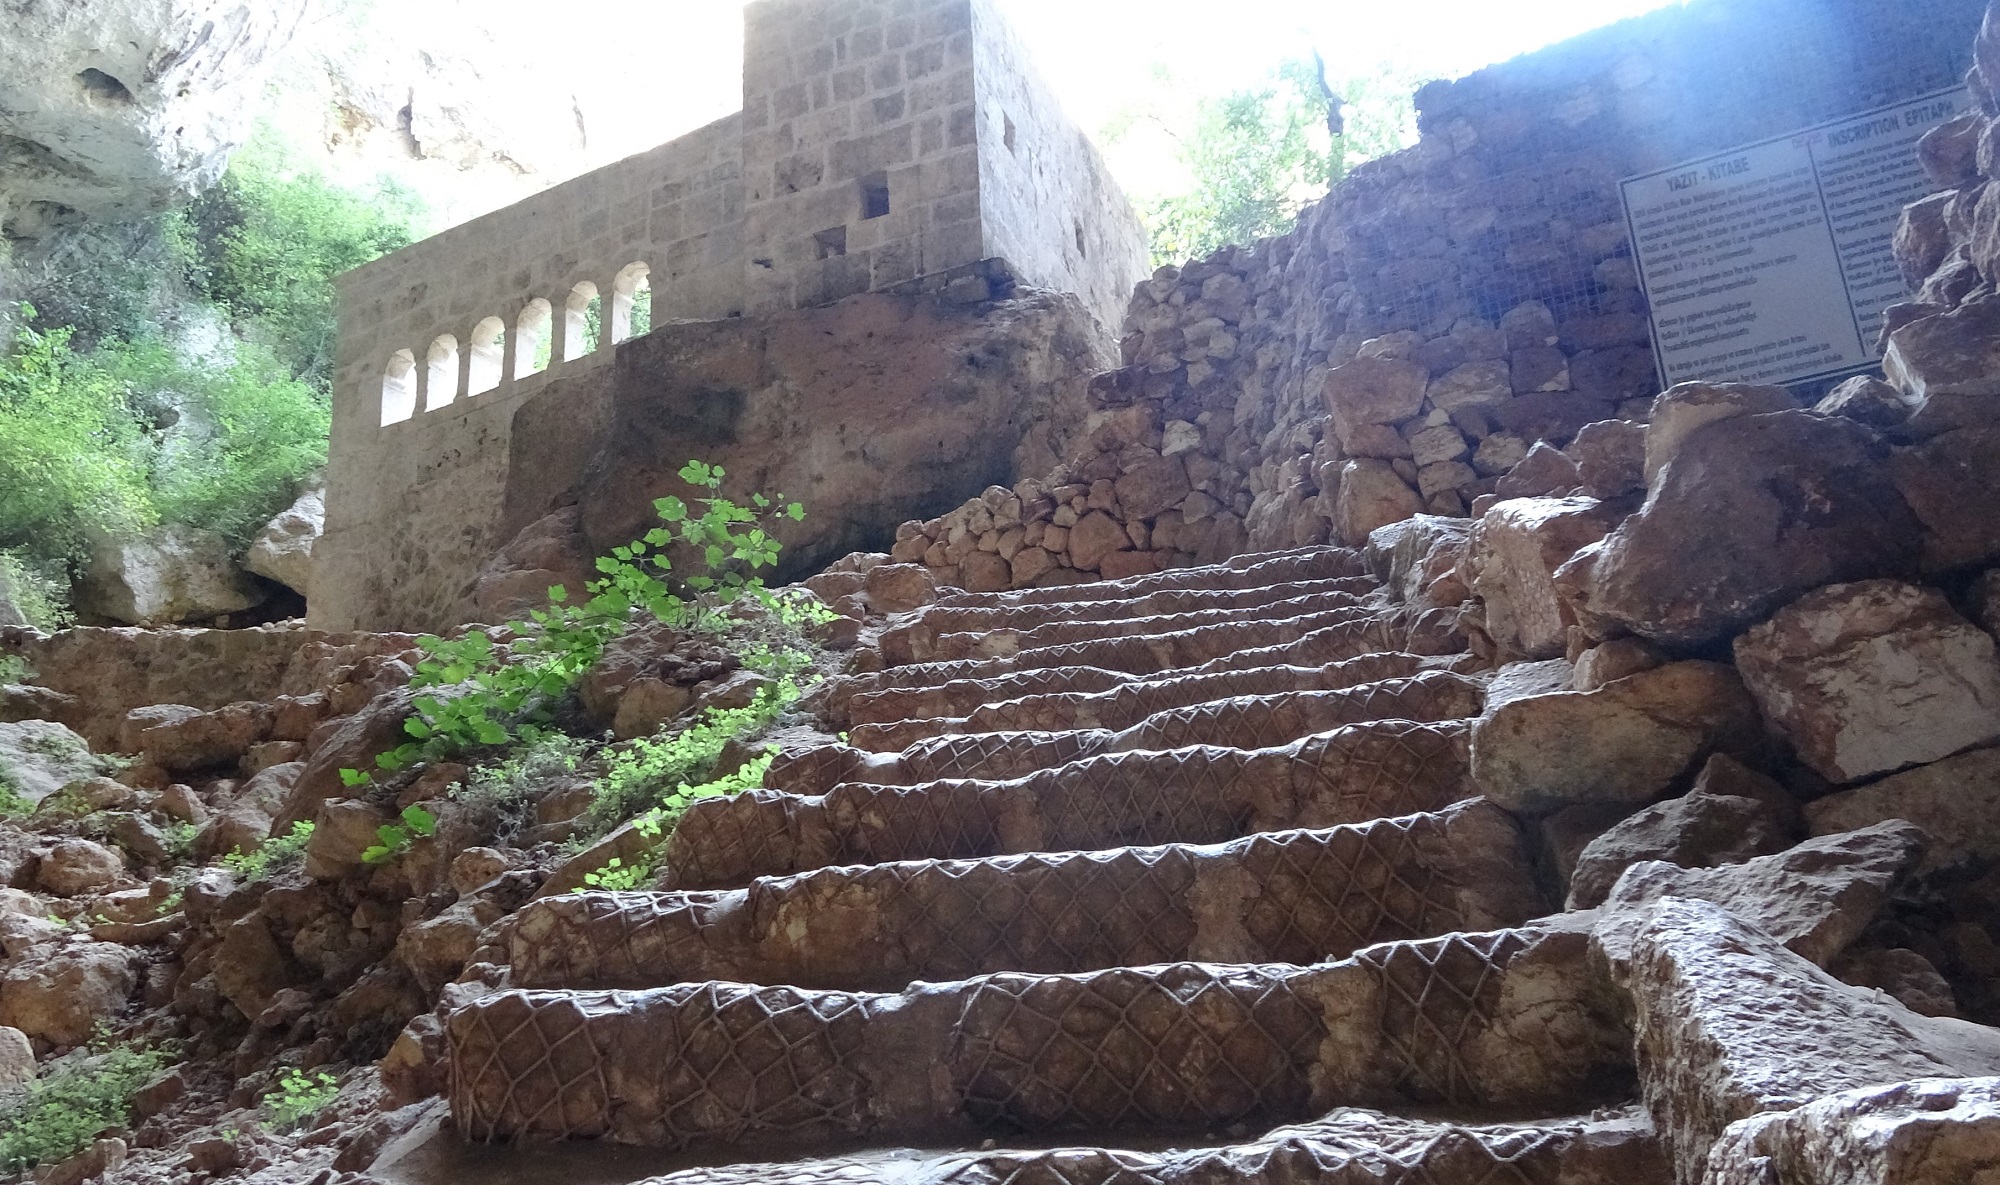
point(12, 802)
point(300, 1096)
point(180, 840)
point(78, 1097)
point(487, 693)
point(618, 876)
point(40, 592)
point(501, 798)
point(277, 854)
point(665, 772)
point(394, 839)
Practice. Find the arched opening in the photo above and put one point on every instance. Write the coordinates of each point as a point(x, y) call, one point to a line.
point(441, 373)
point(581, 321)
point(489, 349)
point(631, 302)
point(531, 339)
point(399, 387)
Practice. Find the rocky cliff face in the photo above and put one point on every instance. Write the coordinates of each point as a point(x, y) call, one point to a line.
point(109, 107)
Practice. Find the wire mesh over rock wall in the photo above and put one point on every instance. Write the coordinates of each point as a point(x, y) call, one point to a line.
point(1441, 312)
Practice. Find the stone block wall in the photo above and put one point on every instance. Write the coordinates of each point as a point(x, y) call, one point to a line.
point(1445, 308)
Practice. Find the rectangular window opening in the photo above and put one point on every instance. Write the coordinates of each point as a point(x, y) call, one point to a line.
point(875, 195)
point(832, 242)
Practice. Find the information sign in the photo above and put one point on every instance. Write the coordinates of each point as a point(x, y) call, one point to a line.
point(1770, 263)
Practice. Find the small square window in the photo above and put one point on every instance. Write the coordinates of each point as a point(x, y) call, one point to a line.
point(875, 195)
point(832, 243)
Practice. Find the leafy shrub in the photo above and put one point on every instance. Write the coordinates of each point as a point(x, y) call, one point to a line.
point(394, 839)
point(502, 797)
point(617, 875)
point(42, 597)
point(278, 854)
point(300, 1096)
point(65, 1109)
point(271, 236)
point(665, 772)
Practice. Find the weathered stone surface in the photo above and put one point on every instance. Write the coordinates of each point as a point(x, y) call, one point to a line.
point(1752, 511)
point(1610, 661)
point(1094, 536)
point(197, 740)
point(1948, 367)
point(1373, 391)
point(1956, 801)
point(1870, 677)
point(1815, 898)
point(59, 994)
point(1683, 409)
point(1610, 458)
point(1865, 400)
point(350, 743)
point(170, 574)
point(39, 757)
point(1731, 1024)
point(1545, 472)
point(1696, 830)
point(548, 553)
point(1933, 1131)
point(1418, 559)
point(77, 866)
point(17, 1064)
point(1371, 496)
point(898, 588)
point(1628, 741)
point(1513, 553)
point(1952, 482)
point(282, 550)
point(1150, 488)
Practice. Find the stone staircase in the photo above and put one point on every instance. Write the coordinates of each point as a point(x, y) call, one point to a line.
point(1188, 861)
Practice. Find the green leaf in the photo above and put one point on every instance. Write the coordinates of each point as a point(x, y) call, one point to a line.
point(376, 855)
point(420, 820)
point(671, 509)
point(557, 595)
point(490, 733)
point(355, 777)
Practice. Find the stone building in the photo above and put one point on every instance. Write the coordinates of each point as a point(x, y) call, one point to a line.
point(883, 146)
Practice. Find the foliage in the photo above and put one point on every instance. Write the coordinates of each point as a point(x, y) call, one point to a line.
point(300, 1096)
point(137, 433)
point(1257, 157)
point(15, 669)
point(13, 804)
point(112, 280)
point(502, 796)
point(664, 772)
point(488, 694)
point(394, 839)
point(277, 854)
point(618, 877)
point(40, 593)
point(180, 840)
point(271, 236)
point(66, 1108)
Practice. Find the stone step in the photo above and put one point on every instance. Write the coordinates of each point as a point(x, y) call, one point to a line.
point(943, 619)
point(1246, 722)
point(1280, 897)
point(1350, 1146)
point(1130, 703)
point(938, 634)
point(850, 700)
point(1515, 1019)
point(1199, 795)
point(1243, 571)
point(1320, 638)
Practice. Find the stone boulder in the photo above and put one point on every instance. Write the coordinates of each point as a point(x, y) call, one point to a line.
point(1952, 482)
point(1956, 801)
point(17, 1064)
point(60, 994)
point(194, 740)
point(1948, 367)
point(166, 575)
point(1610, 458)
point(1371, 495)
point(1683, 409)
point(1865, 400)
point(1373, 391)
point(74, 867)
point(1730, 1024)
point(548, 553)
point(1933, 1131)
point(1512, 556)
point(1701, 829)
point(39, 757)
point(1418, 559)
point(1627, 742)
point(1751, 512)
point(283, 549)
point(1815, 898)
point(351, 742)
point(1867, 678)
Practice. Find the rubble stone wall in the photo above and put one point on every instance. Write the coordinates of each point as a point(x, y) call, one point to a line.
point(1442, 311)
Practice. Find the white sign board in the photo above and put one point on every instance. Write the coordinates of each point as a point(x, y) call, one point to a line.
point(1770, 263)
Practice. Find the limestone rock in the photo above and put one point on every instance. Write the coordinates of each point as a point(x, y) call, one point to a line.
point(1628, 741)
point(1910, 977)
point(1815, 898)
point(1694, 831)
point(201, 740)
point(77, 866)
point(1373, 391)
point(1952, 482)
point(1865, 400)
point(1473, 384)
point(167, 575)
point(1610, 458)
point(1870, 677)
point(548, 553)
point(60, 994)
point(1948, 367)
point(1608, 662)
point(898, 588)
point(1682, 409)
point(1152, 487)
point(1371, 495)
point(1956, 801)
point(350, 743)
point(1095, 536)
point(1752, 512)
point(1546, 471)
point(1418, 559)
point(1933, 1131)
point(282, 550)
point(17, 1064)
point(39, 757)
point(1731, 1024)
point(1513, 554)
point(342, 831)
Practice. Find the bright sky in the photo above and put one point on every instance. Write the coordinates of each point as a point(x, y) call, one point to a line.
point(1099, 55)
